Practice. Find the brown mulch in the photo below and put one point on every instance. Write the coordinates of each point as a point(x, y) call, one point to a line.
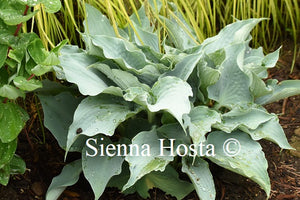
point(44, 159)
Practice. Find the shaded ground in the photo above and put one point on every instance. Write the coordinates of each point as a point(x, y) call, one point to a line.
point(44, 159)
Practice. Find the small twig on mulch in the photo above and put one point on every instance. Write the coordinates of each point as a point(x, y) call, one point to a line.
point(284, 106)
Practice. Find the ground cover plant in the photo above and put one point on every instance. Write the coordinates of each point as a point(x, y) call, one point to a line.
point(22, 56)
point(134, 90)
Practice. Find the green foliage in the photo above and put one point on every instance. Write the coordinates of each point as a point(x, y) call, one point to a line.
point(206, 18)
point(20, 54)
point(190, 95)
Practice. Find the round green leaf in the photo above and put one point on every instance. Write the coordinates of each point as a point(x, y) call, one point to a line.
point(12, 121)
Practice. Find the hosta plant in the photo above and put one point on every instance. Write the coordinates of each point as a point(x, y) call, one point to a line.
point(145, 112)
point(22, 56)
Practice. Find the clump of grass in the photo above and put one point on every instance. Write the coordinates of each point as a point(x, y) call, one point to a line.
point(206, 18)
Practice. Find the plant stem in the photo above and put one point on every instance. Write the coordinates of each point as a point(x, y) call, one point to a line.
point(19, 26)
point(32, 75)
point(151, 117)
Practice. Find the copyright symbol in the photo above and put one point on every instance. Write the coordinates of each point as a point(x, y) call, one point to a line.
point(231, 147)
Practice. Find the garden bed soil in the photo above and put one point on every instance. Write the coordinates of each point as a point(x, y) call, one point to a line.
point(45, 159)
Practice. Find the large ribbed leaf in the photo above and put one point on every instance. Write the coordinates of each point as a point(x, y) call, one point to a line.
point(201, 177)
point(149, 159)
point(234, 33)
point(243, 117)
point(69, 176)
point(270, 130)
point(75, 67)
point(58, 114)
point(248, 158)
point(281, 90)
point(96, 23)
point(233, 86)
point(168, 181)
point(185, 67)
point(199, 122)
point(99, 114)
point(125, 53)
point(98, 170)
point(171, 94)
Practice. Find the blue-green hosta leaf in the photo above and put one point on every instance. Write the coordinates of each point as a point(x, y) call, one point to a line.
point(270, 130)
point(258, 87)
point(185, 67)
point(233, 33)
point(253, 60)
point(27, 85)
point(122, 78)
point(281, 90)
point(239, 117)
point(168, 181)
point(255, 66)
point(176, 132)
point(271, 59)
point(208, 76)
point(12, 121)
point(246, 156)
point(58, 115)
point(98, 167)
point(148, 38)
point(144, 30)
point(96, 23)
point(201, 177)
point(11, 92)
point(256, 62)
point(69, 176)
point(99, 114)
point(76, 70)
point(125, 53)
point(137, 95)
point(3, 54)
point(140, 19)
point(149, 159)
point(233, 86)
point(166, 94)
point(178, 34)
point(7, 152)
point(199, 122)
point(171, 94)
